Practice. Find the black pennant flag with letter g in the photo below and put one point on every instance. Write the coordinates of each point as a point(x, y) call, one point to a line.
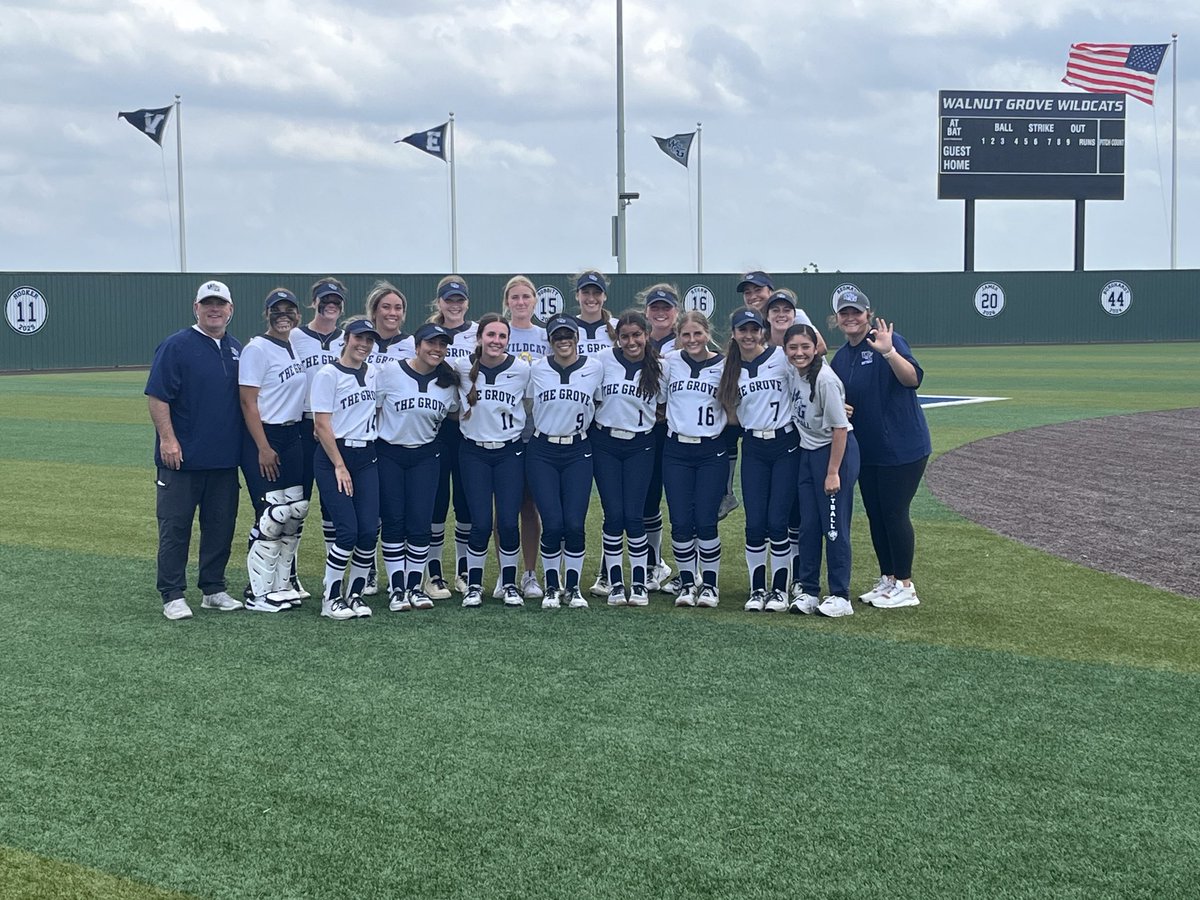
point(151, 122)
point(432, 141)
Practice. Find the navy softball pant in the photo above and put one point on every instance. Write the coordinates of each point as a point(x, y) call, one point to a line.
point(769, 472)
point(285, 441)
point(560, 479)
point(355, 519)
point(450, 437)
point(493, 478)
point(408, 479)
point(694, 477)
point(815, 524)
point(624, 470)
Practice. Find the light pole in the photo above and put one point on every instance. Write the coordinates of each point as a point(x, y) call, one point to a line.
point(623, 198)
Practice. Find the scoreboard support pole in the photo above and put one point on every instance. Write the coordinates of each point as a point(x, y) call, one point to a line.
point(969, 235)
point(1079, 231)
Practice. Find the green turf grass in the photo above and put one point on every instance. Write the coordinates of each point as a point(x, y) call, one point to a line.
point(1030, 742)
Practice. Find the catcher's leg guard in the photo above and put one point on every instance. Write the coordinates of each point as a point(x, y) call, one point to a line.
point(297, 509)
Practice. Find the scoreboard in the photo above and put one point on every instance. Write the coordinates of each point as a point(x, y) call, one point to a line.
point(1031, 146)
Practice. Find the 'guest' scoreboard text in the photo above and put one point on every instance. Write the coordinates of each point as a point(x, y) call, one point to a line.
point(1031, 146)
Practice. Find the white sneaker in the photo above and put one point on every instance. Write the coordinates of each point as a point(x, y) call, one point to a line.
point(638, 596)
point(399, 602)
point(616, 596)
point(359, 608)
point(298, 590)
point(512, 597)
point(177, 609)
point(266, 604)
point(473, 596)
point(835, 607)
point(550, 600)
point(756, 601)
point(530, 589)
point(686, 595)
point(498, 590)
point(673, 586)
point(220, 600)
point(728, 504)
point(882, 586)
point(601, 587)
point(419, 599)
point(336, 609)
point(707, 596)
point(777, 601)
point(436, 588)
point(460, 582)
point(659, 574)
point(796, 590)
point(899, 596)
point(804, 604)
point(372, 587)
point(575, 600)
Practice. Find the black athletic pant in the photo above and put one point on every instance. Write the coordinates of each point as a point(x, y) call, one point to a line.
point(887, 493)
point(179, 494)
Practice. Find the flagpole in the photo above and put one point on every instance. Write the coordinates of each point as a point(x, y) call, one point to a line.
point(1174, 149)
point(699, 202)
point(453, 204)
point(179, 166)
point(621, 201)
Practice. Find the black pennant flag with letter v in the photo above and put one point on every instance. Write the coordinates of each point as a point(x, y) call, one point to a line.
point(432, 141)
point(151, 122)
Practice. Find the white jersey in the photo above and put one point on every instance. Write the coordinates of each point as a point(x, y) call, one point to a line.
point(764, 390)
point(349, 394)
point(564, 400)
point(621, 406)
point(411, 405)
point(462, 341)
point(314, 350)
point(593, 336)
point(665, 344)
point(499, 413)
point(528, 343)
point(693, 409)
point(818, 417)
point(392, 350)
point(271, 366)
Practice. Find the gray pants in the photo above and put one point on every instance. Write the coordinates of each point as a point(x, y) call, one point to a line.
point(179, 494)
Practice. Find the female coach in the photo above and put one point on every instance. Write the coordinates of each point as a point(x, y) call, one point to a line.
point(492, 399)
point(881, 378)
point(414, 397)
point(344, 413)
point(273, 389)
point(695, 458)
point(631, 392)
point(558, 462)
point(754, 391)
point(829, 464)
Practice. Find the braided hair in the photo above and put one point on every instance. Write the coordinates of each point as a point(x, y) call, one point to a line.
point(477, 354)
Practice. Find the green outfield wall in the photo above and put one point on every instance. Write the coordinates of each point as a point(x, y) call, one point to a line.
point(66, 320)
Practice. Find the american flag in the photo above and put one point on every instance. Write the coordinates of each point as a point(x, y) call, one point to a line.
point(1106, 68)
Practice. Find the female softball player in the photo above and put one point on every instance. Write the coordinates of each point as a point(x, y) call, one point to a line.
point(492, 399)
point(344, 420)
point(414, 397)
point(782, 312)
point(272, 387)
point(558, 464)
point(754, 391)
point(317, 344)
point(450, 311)
point(662, 309)
point(881, 377)
point(695, 458)
point(526, 340)
point(631, 392)
point(829, 465)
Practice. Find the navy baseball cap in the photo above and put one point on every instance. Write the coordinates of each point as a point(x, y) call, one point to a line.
point(558, 323)
point(857, 299)
point(746, 317)
point(328, 289)
point(431, 330)
point(362, 326)
point(762, 279)
point(282, 295)
point(659, 295)
point(593, 278)
point(453, 289)
point(780, 297)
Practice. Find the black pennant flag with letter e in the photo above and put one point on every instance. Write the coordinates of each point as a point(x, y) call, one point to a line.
point(432, 141)
point(151, 122)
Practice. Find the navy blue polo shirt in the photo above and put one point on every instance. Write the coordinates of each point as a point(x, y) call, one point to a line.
point(888, 421)
point(199, 382)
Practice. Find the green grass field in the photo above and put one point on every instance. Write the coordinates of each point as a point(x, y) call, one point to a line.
point(1030, 730)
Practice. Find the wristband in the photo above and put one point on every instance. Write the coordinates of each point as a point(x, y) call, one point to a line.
point(888, 355)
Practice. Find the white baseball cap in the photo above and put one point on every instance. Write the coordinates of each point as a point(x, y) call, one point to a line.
point(214, 289)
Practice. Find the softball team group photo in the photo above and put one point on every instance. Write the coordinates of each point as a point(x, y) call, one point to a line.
point(511, 423)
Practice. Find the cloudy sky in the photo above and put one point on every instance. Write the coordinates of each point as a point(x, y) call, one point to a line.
point(820, 134)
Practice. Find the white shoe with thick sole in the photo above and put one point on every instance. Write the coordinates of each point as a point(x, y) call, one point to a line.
point(686, 595)
point(707, 596)
point(177, 609)
point(756, 601)
point(638, 596)
point(399, 602)
point(512, 597)
point(336, 609)
point(835, 607)
point(419, 599)
point(436, 588)
point(360, 609)
point(220, 600)
point(530, 589)
point(600, 588)
point(898, 597)
point(550, 600)
point(777, 601)
point(616, 596)
point(473, 596)
point(805, 604)
point(575, 599)
point(881, 587)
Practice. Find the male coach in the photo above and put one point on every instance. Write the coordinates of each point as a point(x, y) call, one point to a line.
point(193, 395)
